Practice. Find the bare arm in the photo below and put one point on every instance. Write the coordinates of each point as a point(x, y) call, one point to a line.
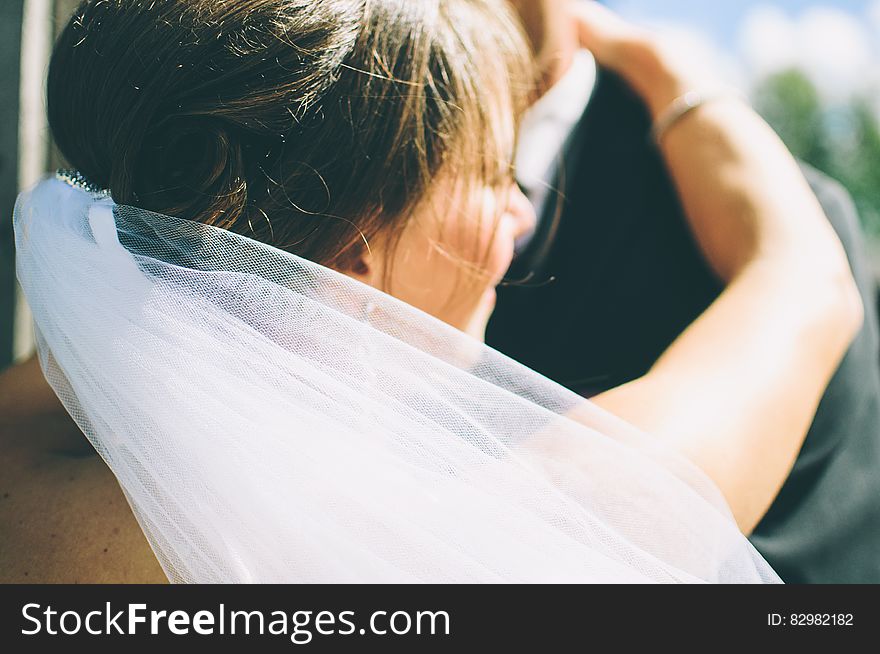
point(737, 391)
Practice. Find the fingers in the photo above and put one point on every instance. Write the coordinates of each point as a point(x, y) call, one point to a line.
point(654, 69)
point(603, 32)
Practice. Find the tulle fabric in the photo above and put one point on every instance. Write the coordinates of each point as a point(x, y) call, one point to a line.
point(270, 420)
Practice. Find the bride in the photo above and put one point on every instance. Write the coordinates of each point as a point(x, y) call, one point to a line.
point(261, 296)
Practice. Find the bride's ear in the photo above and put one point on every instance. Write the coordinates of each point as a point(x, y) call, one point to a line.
point(361, 269)
point(365, 268)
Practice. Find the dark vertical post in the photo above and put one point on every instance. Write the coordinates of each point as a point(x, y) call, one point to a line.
point(10, 57)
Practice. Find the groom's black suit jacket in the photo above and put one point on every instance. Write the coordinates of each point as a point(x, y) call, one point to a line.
point(628, 278)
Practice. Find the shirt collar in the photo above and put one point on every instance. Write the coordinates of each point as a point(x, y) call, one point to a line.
point(548, 123)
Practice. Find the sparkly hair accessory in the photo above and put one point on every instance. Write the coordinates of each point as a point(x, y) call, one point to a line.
point(77, 180)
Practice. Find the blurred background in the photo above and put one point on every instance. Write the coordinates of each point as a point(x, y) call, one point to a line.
point(811, 67)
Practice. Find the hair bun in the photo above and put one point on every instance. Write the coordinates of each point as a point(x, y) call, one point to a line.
point(190, 164)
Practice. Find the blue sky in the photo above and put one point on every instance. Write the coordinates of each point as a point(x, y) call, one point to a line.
point(721, 18)
point(836, 42)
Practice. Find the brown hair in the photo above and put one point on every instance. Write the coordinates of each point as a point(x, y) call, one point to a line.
point(311, 125)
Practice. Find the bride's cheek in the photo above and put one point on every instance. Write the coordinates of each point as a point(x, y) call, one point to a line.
point(501, 249)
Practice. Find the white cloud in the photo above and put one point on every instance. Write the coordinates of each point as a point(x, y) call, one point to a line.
point(701, 49)
point(832, 46)
point(768, 40)
point(874, 15)
point(835, 49)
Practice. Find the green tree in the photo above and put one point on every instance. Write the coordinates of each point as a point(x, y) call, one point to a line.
point(844, 142)
point(862, 165)
point(790, 103)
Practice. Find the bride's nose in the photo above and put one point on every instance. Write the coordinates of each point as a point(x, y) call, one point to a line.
point(522, 211)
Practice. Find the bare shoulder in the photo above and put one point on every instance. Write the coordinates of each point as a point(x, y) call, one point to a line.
point(65, 520)
point(63, 517)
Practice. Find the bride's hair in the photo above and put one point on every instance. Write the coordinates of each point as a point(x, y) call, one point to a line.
point(310, 125)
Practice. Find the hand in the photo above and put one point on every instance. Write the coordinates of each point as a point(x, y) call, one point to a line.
point(552, 35)
point(657, 72)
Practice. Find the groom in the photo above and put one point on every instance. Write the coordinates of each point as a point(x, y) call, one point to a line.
point(612, 277)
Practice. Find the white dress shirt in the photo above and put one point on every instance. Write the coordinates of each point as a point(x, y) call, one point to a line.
point(547, 126)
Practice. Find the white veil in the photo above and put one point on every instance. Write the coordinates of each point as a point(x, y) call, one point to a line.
point(271, 420)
